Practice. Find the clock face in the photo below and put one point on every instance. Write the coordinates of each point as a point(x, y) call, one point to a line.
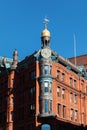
point(46, 53)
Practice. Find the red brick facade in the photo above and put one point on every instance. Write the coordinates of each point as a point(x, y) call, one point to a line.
point(43, 91)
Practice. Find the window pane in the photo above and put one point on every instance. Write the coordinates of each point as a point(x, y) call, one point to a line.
point(71, 81)
point(32, 92)
point(71, 97)
point(63, 93)
point(76, 115)
point(46, 86)
point(75, 98)
point(74, 83)
point(71, 114)
point(45, 127)
point(46, 105)
point(63, 76)
point(58, 91)
point(64, 111)
point(59, 109)
point(46, 89)
point(46, 69)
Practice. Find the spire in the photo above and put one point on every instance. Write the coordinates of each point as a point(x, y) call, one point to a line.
point(15, 55)
point(15, 59)
point(45, 35)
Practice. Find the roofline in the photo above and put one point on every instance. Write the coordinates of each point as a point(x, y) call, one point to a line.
point(77, 56)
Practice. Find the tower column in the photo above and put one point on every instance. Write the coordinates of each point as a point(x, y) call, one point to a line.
point(45, 78)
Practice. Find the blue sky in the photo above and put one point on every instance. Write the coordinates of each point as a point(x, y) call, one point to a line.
point(21, 24)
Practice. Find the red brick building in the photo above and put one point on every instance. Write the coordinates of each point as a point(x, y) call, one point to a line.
point(80, 60)
point(44, 91)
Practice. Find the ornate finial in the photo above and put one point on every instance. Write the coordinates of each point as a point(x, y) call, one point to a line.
point(46, 21)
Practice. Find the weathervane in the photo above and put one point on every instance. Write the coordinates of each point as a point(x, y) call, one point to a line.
point(46, 21)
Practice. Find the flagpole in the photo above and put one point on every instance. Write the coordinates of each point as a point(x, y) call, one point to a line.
point(75, 48)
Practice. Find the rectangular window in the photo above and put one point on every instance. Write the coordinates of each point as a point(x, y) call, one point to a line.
point(64, 111)
point(32, 109)
point(63, 77)
point(58, 74)
point(71, 114)
point(71, 82)
point(59, 109)
point(63, 93)
point(76, 115)
point(46, 86)
point(46, 89)
point(46, 106)
point(58, 91)
point(32, 92)
point(71, 97)
point(46, 69)
point(74, 83)
point(75, 98)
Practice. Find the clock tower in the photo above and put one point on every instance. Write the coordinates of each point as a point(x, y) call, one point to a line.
point(45, 79)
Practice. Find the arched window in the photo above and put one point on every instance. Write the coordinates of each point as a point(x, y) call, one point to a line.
point(45, 127)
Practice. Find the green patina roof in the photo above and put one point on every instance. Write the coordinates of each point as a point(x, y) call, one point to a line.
point(8, 62)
